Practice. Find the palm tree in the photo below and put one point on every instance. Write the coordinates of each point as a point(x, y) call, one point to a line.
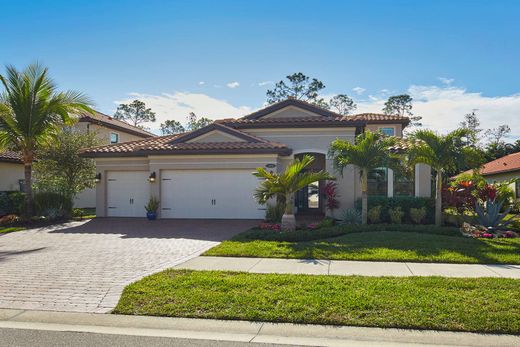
point(32, 112)
point(445, 154)
point(370, 151)
point(287, 183)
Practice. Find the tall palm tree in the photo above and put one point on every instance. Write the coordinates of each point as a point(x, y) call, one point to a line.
point(287, 184)
point(445, 154)
point(32, 112)
point(369, 151)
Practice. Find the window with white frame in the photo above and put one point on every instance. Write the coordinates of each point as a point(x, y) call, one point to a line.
point(388, 131)
point(114, 138)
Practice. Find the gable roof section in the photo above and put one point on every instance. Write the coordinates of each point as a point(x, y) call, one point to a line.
point(328, 118)
point(508, 163)
point(215, 127)
point(178, 145)
point(109, 122)
point(11, 157)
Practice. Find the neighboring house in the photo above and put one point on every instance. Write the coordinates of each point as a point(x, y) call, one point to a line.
point(106, 128)
point(207, 173)
point(503, 169)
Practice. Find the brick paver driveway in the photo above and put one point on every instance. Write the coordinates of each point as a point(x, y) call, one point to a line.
point(85, 266)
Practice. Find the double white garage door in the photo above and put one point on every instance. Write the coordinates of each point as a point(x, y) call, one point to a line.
point(226, 194)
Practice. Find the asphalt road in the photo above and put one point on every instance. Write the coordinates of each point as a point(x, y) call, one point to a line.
point(43, 338)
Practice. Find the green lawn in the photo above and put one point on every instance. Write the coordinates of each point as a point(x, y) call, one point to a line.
point(380, 246)
point(5, 230)
point(489, 305)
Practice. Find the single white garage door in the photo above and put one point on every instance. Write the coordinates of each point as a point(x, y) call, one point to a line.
point(127, 193)
point(226, 194)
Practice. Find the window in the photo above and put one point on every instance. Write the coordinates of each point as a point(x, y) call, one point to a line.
point(378, 182)
point(114, 138)
point(387, 131)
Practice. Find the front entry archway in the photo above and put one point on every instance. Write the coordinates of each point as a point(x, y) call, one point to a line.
point(309, 200)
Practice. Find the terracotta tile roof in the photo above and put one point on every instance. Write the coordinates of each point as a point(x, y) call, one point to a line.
point(169, 145)
point(109, 122)
point(10, 157)
point(508, 163)
point(378, 117)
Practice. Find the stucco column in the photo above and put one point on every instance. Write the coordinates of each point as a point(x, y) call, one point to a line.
point(423, 183)
point(390, 183)
point(155, 187)
point(101, 194)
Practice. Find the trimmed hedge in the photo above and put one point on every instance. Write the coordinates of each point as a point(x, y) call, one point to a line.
point(338, 230)
point(405, 202)
point(12, 203)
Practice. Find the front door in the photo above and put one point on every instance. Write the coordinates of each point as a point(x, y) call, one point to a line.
point(308, 199)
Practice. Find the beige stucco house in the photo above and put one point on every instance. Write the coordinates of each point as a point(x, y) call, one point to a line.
point(208, 173)
point(106, 128)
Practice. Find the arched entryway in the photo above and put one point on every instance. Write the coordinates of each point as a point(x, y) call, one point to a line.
point(309, 200)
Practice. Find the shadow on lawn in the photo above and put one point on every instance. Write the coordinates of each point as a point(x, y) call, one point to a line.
point(408, 247)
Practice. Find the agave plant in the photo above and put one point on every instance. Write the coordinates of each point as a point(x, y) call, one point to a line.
point(489, 215)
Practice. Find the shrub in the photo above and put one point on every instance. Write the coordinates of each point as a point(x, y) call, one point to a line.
point(351, 216)
point(52, 205)
point(11, 203)
point(331, 196)
point(374, 215)
point(153, 205)
point(326, 222)
point(274, 213)
point(405, 202)
point(339, 230)
point(396, 215)
point(417, 214)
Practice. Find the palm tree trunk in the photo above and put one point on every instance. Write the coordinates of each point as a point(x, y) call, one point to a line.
point(288, 219)
point(29, 200)
point(364, 197)
point(438, 198)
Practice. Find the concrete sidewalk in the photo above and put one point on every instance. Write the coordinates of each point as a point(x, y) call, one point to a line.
point(341, 267)
point(243, 331)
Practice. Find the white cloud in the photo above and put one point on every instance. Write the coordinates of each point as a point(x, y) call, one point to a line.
point(443, 108)
point(201, 83)
point(265, 83)
point(233, 84)
point(179, 104)
point(446, 81)
point(359, 90)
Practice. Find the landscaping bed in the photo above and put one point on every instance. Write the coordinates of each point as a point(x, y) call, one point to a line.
point(412, 243)
point(490, 305)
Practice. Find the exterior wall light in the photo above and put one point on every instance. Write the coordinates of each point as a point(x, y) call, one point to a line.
point(97, 178)
point(151, 178)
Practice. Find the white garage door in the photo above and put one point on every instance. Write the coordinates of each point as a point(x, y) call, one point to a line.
point(209, 194)
point(127, 193)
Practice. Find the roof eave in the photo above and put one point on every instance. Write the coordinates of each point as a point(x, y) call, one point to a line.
point(143, 134)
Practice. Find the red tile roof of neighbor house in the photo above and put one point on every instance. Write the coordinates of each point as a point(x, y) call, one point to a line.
point(11, 157)
point(508, 163)
point(109, 122)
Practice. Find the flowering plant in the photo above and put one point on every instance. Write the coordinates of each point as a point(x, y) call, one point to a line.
point(270, 226)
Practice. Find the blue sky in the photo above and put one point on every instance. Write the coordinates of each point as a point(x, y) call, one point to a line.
point(219, 57)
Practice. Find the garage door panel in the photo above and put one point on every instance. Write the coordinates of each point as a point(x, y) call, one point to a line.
point(127, 193)
point(209, 194)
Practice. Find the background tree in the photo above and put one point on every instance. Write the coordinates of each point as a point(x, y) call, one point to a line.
point(496, 135)
point(31, 114)
point(472, 123)
point(170, 127)
point(135, 113)
point(194, 122)
point(402, 105)
point(370, 151)
point(444, 153)
point(342, 104)
point(299, 87)
point(60, 169)
point(287, 184)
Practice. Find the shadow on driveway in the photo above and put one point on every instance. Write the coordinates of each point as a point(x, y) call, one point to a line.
point(195, 229)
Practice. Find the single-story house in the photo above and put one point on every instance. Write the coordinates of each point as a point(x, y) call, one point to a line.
point(107, 129)
point(207, 173)
point(503, 169)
